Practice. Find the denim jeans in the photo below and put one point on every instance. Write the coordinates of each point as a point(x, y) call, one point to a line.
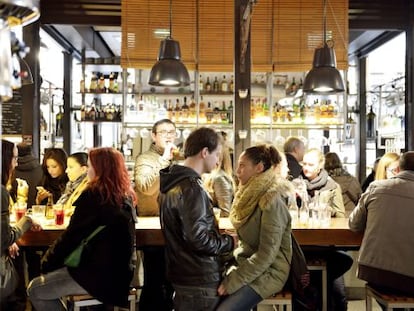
point(45, 291)
point(242, 300)
point(195, 298)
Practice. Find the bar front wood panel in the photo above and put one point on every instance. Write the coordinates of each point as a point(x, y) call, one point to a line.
point(148, 232)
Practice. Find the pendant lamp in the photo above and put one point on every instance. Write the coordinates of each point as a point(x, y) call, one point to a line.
point(169, 69)
point(324, 77)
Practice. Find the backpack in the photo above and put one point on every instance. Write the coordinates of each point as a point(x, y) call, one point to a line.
point(304, 296)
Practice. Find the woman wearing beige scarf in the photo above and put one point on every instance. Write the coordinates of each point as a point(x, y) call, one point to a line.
point(261, 218)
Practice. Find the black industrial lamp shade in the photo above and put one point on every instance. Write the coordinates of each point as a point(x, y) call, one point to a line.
point(324, 77)
point(169, 70)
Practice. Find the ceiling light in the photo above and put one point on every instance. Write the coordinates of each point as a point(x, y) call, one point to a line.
point(169, 70)
point(324, 77)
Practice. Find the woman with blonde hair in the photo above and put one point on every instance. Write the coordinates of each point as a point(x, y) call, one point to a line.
point(220, 184)
point(387, 166)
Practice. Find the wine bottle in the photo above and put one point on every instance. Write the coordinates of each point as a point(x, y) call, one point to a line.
point(215, 85)
point(371, 123)
point(208, 85)
point(59, 122)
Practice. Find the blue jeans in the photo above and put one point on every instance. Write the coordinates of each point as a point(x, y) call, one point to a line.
point(45, 291)
point(242, 300)
point(195, 298)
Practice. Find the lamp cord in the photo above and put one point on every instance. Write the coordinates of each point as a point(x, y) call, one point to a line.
point(170, 19)
point(324, 22)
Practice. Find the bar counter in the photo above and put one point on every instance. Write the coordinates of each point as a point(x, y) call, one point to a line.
point(148, 232)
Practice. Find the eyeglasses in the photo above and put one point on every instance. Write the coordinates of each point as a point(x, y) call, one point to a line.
point(167, 133)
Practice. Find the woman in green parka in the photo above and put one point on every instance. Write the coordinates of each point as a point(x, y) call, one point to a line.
point(260, 215)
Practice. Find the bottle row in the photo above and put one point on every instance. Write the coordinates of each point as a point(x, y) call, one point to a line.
point(96, 111)
point(216, 86)
point(149, 109)
point(101, 83)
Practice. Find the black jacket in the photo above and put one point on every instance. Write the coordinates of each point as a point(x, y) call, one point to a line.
point(106, 267)
point(194, 244)
point(295, 169)
point(30, 170)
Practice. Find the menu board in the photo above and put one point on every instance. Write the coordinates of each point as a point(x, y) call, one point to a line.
point(11, 112)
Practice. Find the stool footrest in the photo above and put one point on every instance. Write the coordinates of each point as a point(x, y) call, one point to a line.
point(389, 300)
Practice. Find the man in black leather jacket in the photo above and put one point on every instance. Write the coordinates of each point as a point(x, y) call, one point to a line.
point(194, 245)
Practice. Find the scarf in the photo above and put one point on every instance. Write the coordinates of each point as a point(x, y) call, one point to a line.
point(70, 188)
point(247, 197)
point(317, 183)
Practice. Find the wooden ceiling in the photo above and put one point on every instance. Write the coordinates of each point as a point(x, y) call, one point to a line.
point(73, 21)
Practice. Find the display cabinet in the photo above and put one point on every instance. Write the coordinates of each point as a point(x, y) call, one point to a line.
point(116, 107)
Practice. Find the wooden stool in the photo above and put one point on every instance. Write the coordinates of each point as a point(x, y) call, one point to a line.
point(389, 301)
point(320, 265)
point(80, 301)
point(281, 300)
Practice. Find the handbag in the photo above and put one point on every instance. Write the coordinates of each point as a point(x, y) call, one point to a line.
point(74, 258)
point(304, 296)
point(8, 277)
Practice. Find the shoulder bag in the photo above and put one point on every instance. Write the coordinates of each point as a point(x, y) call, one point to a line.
point(74, 258)
point(8, 277)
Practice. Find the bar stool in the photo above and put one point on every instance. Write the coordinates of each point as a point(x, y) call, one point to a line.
point(79, 301)
point(320, 265)
point(281, 301)
point(390, 301)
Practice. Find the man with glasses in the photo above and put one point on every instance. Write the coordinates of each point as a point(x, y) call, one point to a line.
point(157, 292)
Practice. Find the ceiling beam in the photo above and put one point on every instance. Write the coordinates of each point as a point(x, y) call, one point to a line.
point(81, 12)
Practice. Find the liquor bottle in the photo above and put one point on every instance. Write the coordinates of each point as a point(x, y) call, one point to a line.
point(101, 84)
point(185, 110)
point(82, 86)
point(231, 84)
point(209, 113)
point(49, 214)
point(223, 113)
point(94, 83)
point(230, 112)
point(215, 85)
point(224, 85)
point(371, 123)
point(59, 122)
point(92, 111)
point(170, 110)
point(201, 84)
point(208, 85)
point(202, 111)
point(111, 86)
point(178, 111)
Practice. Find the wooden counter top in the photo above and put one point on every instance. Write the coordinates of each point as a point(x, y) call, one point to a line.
point(148, 232)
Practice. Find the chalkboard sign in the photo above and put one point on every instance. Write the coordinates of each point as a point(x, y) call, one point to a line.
point(11, 112)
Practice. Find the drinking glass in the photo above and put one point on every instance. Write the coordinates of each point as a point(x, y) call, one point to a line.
point(38, 212)
point(20, 209)
point(59, 214)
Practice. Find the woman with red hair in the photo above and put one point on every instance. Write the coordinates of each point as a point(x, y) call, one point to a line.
point(107, 267)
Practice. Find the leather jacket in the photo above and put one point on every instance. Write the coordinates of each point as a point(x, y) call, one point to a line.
point(194, 245)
